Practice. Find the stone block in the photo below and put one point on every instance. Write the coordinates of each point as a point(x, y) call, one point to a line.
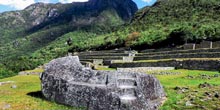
point(98, 61)
point(189, 46)
point(216, 44)
point(204, 44)
point(128, 59)
point(67, 82)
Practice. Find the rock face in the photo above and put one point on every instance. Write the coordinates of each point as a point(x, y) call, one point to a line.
point(67, 82)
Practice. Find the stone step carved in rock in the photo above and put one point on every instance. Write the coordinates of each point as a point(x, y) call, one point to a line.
point(131, 91)
point(127, 87)
point(128, 81)
point(121, 75)
point(127, 98)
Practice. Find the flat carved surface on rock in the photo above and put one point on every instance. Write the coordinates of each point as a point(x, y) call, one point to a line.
point(67, 82)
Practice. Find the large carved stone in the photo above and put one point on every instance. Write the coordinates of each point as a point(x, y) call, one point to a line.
point(67, 82)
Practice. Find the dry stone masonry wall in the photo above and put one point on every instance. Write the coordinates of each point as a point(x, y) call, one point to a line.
point(144, 69)
point(202, 45)
point(211, 65)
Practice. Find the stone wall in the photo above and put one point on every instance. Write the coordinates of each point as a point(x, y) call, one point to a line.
point(183, 55)
point(144, 69)
point(105, 54)
point(160, 50)
point(211, 65)
point(128, 59)
point(180, 52)
point(216, 44)
point(189, 46)
point(199, 65)
point(171, 63)
point(101, 57)
point(204, 44)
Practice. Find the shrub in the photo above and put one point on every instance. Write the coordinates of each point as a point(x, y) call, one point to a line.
point(4, 73)
point(131, 38)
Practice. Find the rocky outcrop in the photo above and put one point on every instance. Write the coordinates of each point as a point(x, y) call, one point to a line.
point(67, 82)
point(125, 8)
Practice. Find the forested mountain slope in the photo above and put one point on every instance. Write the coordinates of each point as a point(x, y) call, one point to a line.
point(166, 22)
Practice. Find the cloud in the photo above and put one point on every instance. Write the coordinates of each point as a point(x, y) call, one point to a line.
point(44, 1)
point(148, 1)
point(17, 4)
point(70, 1)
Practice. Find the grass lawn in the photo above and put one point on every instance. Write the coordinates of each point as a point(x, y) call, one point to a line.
point(189, 96)
point(26, 95)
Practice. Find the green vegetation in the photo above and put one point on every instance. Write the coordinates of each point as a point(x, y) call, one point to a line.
point(37, 34)
point(105, 68)
point(6, 73)
point(37, 70)
point(166, 22)
point(131, 38)
point(179, 20)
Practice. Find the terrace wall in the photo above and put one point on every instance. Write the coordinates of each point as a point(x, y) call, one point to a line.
point(189, 46)
point(211, 65)
point(173, 56)
point(180, 51)
point(216, 44)
point(204, 44)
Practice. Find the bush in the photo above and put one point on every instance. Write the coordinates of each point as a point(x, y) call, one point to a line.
point(22, 63)
point(4, 73)
point(131, 38)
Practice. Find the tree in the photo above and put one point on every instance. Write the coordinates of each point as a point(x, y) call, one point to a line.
point(131, 38)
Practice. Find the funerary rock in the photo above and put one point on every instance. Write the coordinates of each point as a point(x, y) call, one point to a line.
point(67, 82)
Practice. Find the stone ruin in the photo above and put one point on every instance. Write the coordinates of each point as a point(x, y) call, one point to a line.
point(66, 81)
point(202, 45)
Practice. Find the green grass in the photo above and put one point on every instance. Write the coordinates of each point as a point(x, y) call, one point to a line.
point(39, 70)
point(177, 101)
point(18, 98)
point(104, 68)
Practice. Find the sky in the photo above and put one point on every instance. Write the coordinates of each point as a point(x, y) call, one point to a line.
point(9, 5)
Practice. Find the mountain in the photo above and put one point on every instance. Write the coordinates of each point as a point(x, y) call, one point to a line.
point(177, 22)
point(37, 26)
point(103, 24)
point(43, 14)
point(76, 15)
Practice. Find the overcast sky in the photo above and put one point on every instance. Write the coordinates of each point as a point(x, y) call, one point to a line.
point(8, 5)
